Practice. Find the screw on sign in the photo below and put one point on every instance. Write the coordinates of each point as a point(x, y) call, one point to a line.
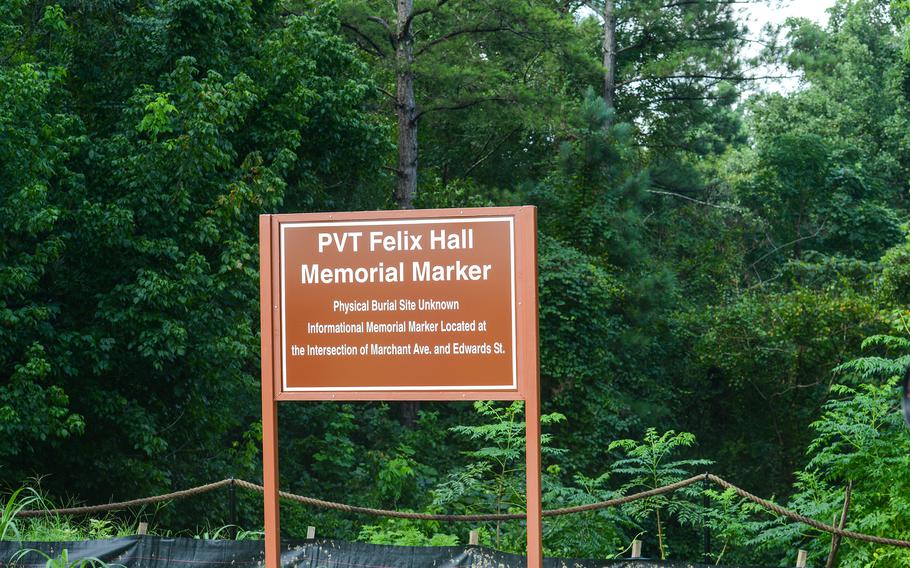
point(400, 305)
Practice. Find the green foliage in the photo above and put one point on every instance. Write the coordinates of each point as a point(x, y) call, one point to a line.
point(605, 533)
point(646, 466)
point(811, 200)
point(53, 527)
point(63, 560)
point(895, 277)
point(704, 262)
point(734, 523)
point(19, 500)
point(679, 68)
point(594, 252)
point(404, 533)
point(765, 365)
point(481, 75)
point(575, 343)
point(493, 479)
point(37, 137)
point(128, 263)
point(859, 438)
point(158, 117)
point(831, 160)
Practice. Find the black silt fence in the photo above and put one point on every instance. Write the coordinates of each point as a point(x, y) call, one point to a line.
point(161, 552)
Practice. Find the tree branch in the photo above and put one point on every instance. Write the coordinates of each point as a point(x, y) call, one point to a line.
point(25, 36)
point(492, 151)
point(406, 28)
point(391, 36)
point(456, 33)
point(719, 2)
point(373, 48)
point(700, 76)
point(648, 42)
point(387, 93)
point(462, 105)
point(692, 199)
point(785, 245)
point(597, 6)
point(381, 22)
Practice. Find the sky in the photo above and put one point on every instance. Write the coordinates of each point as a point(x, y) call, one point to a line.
point(776, 12)
point(812, 9)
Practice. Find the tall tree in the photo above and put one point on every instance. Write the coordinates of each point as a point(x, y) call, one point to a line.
point(594, 252)
point(828, 168)
point(444, 56)
point(809, 204)
point(609, 51)
point(37, 137)
point(128, 211)
point(665, 62)
point(854, 76)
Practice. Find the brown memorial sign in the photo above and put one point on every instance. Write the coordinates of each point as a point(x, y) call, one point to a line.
point(421, 302)
point(434, 304)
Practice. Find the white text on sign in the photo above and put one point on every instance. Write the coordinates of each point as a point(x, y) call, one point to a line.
point(397, 241)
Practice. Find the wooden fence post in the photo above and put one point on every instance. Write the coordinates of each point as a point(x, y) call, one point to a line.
point(474, 538)
point(636, 549)
point(310, 533)
point(801, 558)
point(143, 528)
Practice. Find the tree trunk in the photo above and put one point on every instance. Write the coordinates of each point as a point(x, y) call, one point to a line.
point(609, 51)
point(660, 536)
point(406, 190)
point(835, 539)
point(406, 108)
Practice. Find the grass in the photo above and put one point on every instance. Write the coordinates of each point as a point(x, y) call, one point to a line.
point(224, 532)
point(56, 528)
point(63, 560)
point(53, 527)
point(21, 499)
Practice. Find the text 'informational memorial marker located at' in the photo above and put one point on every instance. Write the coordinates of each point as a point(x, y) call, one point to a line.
point(399, 305)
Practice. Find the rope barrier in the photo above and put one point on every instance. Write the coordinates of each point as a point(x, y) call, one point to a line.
point(125, 504)
point(794, 516)
point(478, 517)
point(313, 502)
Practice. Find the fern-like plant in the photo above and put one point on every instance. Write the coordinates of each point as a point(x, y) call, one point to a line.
point(648, 464)
point(860, 438)
point(494, 479)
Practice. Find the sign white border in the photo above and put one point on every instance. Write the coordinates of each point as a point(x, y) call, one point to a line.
point(463, 220)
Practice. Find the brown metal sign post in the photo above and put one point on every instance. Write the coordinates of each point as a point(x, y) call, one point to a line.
point(399, 305)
